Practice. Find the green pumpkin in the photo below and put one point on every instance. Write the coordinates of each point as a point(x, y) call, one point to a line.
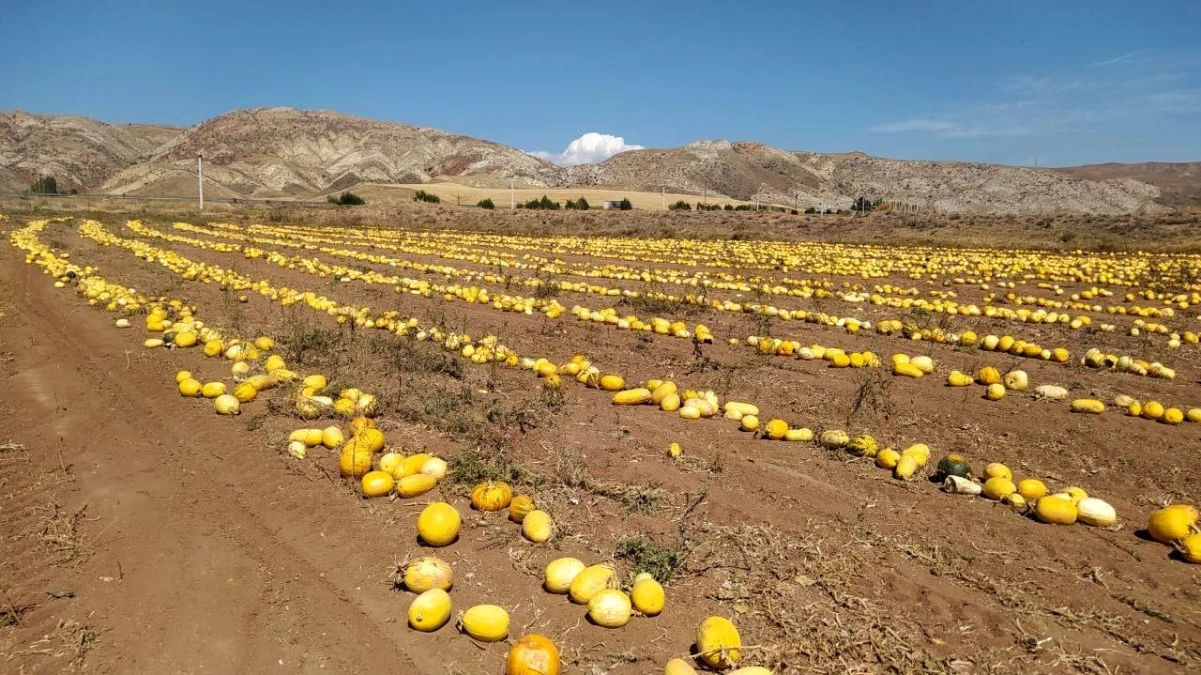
point(953, 465)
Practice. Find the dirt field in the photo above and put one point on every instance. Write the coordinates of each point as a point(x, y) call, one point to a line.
point(144, 533)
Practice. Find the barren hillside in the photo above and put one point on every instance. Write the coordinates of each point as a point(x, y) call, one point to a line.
point(279, 152)
point(755, 171)
point(289, 153)
point(79, 152)
point(1179, 183)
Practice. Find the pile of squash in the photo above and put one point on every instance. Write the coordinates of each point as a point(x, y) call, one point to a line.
point(492, 496)
point(1179, 526)
point(598, 588)
point(1029, 495)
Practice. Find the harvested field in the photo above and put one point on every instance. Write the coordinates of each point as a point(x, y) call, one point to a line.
point(142, 530)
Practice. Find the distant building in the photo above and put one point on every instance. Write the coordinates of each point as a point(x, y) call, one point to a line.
point(613, 204)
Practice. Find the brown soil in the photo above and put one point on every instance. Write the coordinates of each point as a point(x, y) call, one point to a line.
point(183, 541)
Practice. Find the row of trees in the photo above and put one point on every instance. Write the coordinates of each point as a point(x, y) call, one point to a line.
point(48, 185)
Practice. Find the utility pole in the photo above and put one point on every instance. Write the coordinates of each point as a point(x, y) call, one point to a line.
point(512, 196)
point(200, 177)
point(663, 197)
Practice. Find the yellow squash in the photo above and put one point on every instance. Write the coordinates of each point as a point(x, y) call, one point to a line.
point(438, 524)
point(718, 643)
point(430, 610)
point(486, 623)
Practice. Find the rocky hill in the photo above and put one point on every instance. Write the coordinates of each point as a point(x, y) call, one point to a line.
point(284, 152)
point(288, 153)
point(753, 171)
point(79, 152)
point(1179, 183)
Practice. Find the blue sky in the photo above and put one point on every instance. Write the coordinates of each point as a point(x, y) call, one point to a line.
point(1054, 81)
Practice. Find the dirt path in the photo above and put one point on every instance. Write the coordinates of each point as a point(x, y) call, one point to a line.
point(186, 548)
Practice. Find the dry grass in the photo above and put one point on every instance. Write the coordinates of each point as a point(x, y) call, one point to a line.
point(456, 194)
point(70, 641)
point(60, 532)
point(798, 603)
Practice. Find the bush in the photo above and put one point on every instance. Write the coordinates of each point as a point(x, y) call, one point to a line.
point(811, 210)
point(580, 204)
point(708, 207)
point(544, 203)
point(347, 198)
point(729, 208)
point(423, 196)
point(680, 206)
point(486, 204)
point(46, 185)
point(625, 204)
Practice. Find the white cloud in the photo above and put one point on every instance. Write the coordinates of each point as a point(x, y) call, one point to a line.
point(590, 148)
point(1124, 94)
point(1124, 58)
point(914, 125)
point(946, 129)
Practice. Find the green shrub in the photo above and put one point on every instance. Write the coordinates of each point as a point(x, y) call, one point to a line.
point(423, 196)
point(680, 206)
point(625, 204)
point(545, 203)
point(486, 204)
point(347, 198)
point(580, 204)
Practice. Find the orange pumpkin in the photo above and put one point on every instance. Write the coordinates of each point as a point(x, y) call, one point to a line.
point(491, 496)
point(520, 507)
point(533, 654)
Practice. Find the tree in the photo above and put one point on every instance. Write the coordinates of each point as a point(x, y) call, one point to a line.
point(625, 204)
point(580, 204)
point(423, 196)
point(680, 206)
point(46, 185)
point(864, 205)
point(486, 204)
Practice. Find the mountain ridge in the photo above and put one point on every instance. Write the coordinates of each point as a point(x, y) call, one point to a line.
point(284, 153)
